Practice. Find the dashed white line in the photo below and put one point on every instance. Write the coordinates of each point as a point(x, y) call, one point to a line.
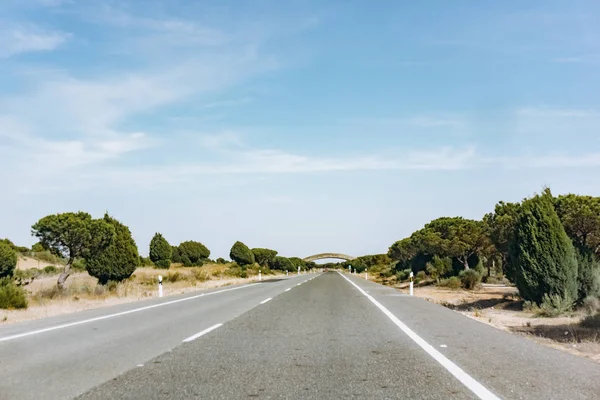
point(86, 321)
point(477, 388)
point(288, 289)
point(266, 300)
point(204, 332)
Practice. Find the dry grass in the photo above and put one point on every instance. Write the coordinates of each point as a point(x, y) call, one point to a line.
point(84, 293)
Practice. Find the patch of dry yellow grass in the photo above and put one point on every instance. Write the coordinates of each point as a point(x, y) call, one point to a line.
point(84, 293)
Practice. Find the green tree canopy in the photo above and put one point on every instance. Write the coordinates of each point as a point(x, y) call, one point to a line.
point(402, 250)
point(117, 261)
point(580, 215)
point(72, 235)
point(264, 256)
point(544, 256)
point(241, 254)
point(451, 237)
point(282, 264)
point(298, 262)
point(193, 253)
point(8, 260)
point(160, 251)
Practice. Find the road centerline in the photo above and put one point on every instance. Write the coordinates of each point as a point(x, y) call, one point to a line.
point(474, 386)
point(266, 300)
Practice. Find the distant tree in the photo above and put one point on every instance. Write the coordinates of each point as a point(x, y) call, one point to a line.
point(8, 260)
point(588, 274)
point(282, 264)
point(544, 256)
point(241, 254)
point(264, 257)
point(500, 227)
point(72, 236)
point(221, 260)
point(18, 249)
point(193, 253)
point(117, 261)
point(175, 256)
point(37, 248)
point(298, 262)
point(580, 215)
point(160, 251)
point(403, 250)
point(452, 237)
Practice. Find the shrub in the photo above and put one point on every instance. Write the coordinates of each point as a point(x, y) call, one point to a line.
point(79, 265)
point(8, 260)
point(50, 270)
point(193, 253)
point(37, 248)
point(221, 260)
point(174, 277)
point(421, 275)
point(11, 295)
point(117, 261)
point(264, 256)
point(234, 270)
point(164, 264)
point(241, 254)
point(470, 279)
point(451, 283)
point(591, 305)
point(146, 262)
point(160, 251)
point(544, 257)
point(403, 275)
point(282, 264)
point(588, 275)
point(554, 306)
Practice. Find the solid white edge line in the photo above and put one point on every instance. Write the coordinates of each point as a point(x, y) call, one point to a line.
point(266, 300)
point(204, 332)
point(85, 321)
point(481, 391)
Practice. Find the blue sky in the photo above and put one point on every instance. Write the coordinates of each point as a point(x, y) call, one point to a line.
point(304, 126)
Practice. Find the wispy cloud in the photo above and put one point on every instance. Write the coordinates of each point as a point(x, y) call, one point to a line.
point(23, 38)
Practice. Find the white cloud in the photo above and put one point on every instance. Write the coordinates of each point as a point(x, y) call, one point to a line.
point(16, 39)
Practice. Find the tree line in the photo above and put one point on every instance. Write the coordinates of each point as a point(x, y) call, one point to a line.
point(548, 246)
point(107, 251)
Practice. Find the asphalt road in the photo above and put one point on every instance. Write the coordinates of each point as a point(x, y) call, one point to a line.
point(332, 336)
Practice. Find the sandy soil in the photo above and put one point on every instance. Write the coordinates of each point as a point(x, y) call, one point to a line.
point(83, 293)
point(496, 306)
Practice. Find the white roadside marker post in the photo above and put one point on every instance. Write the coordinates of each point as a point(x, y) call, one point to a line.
point(298, 270)
point(259, 276)
point(287, 273)
point(366, 274)
point(349, 269)
point(160, 290)
point(411, 284)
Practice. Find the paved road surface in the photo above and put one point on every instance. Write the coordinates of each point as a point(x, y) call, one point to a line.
point(331, 337)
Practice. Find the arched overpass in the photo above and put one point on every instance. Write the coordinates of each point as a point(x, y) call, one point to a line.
point(324, 256)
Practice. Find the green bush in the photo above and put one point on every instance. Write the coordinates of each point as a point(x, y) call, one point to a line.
point(591, 305)
point(554, 305)
point(403, 275)
point(421, 275)
point(11, 295)
point(264, 256)
point(200, 275)
point(37, 248)
point(79, 265)
point(588, 275)
point(221, 260)
point(193, 253)
point(175, 256)
point(282, 264)
point(117, 261)
point(163, 264)
point(451, 283)
point(146, 262)
point(544, 257)
point(50, 270)
point(160, 251)
point(241, 254)
point(8, 260)
point(470, 279)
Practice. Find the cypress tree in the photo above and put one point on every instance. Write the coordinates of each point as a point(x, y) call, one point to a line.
point(544, 256)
